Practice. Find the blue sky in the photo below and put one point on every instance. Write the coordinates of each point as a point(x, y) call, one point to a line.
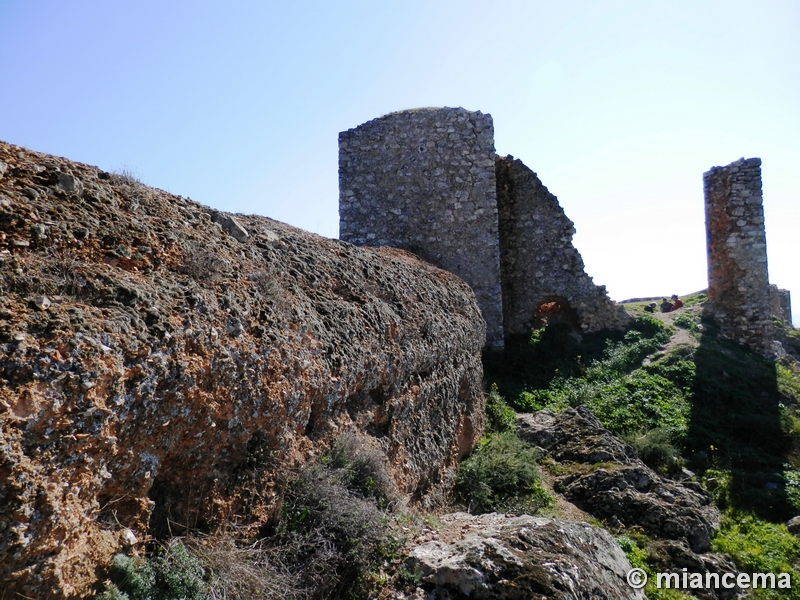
point(618, 106)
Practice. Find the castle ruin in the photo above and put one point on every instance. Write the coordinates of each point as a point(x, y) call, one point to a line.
point(429, 181)
point(740, 297)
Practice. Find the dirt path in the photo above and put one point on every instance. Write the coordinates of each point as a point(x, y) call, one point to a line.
point(682, 337)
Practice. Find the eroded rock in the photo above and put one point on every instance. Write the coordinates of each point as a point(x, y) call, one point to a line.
point(524, 557)
point(178, 371)
point(616, 486)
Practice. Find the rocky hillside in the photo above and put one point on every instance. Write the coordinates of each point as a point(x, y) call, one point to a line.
point(153, 351)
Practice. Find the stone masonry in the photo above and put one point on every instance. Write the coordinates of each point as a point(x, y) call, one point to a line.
point(541, 269)
point(738, 282)
point(781, 304)
point(428, 181)
point(423, 180)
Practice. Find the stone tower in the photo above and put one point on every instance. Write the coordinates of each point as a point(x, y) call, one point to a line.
point(424, 180)
point(428, 181)
point(738, 281)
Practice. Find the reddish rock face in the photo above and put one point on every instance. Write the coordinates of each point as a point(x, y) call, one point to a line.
point(161, 367)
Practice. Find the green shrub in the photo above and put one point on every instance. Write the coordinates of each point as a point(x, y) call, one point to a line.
point(687, 321)
point(652, 328)
point(499, 415)
point(760, 547)
point(655, 449)
point(364, 466)
point(791, 478)
point(788, 379)
point(501, 474)
point(171, 574)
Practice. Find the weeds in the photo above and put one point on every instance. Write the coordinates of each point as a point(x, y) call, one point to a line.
point(501, 474)
point(760, 547)
point(333, 537)
point(56, 273)
point(366, 468)
point(201, 264)
point(266, 284)
point(125, 176)
point(499, 415)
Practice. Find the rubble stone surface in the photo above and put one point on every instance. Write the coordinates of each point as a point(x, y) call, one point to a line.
point(428, 181)
point(738, 281)
point(178, 371)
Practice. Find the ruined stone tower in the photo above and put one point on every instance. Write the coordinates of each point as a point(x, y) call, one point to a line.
point(739, 294)
point(423, 180)
point(540, 268)
point(428, 181)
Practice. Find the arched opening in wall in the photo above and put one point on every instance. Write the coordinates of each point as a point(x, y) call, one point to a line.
point(555, 309)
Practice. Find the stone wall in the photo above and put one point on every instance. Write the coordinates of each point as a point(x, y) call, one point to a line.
point(424, 181)
point(780, 304)
point(543, 274)
point(738, 281)
point(428, 181)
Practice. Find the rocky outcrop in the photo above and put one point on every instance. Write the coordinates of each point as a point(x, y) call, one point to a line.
point(670, 556)
point(610, 483)
point(156, 356)
point(525, 557)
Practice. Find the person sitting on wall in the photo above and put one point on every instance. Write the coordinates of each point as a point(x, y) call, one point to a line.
point(677, 302)
point(666, 305)
point(651, 308)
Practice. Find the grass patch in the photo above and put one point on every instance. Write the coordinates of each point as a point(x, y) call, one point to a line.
point(760, 547)
point(625, 397)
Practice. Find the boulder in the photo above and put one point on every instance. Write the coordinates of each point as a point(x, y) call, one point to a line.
point(793, 525)
point(521, 557)
point(670, 556)
point(609, 483)
point(180, 374)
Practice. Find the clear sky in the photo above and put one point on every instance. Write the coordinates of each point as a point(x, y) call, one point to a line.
point(619, 106)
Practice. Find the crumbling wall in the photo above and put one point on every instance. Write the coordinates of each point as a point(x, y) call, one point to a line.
point(738, 281)
point(428, 181)
point(543, 274)
point(423, 180)
point(780, 304)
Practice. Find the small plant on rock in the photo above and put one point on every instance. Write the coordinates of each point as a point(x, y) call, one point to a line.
point(171, 574)
point(499, 415)
point(501, 474)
